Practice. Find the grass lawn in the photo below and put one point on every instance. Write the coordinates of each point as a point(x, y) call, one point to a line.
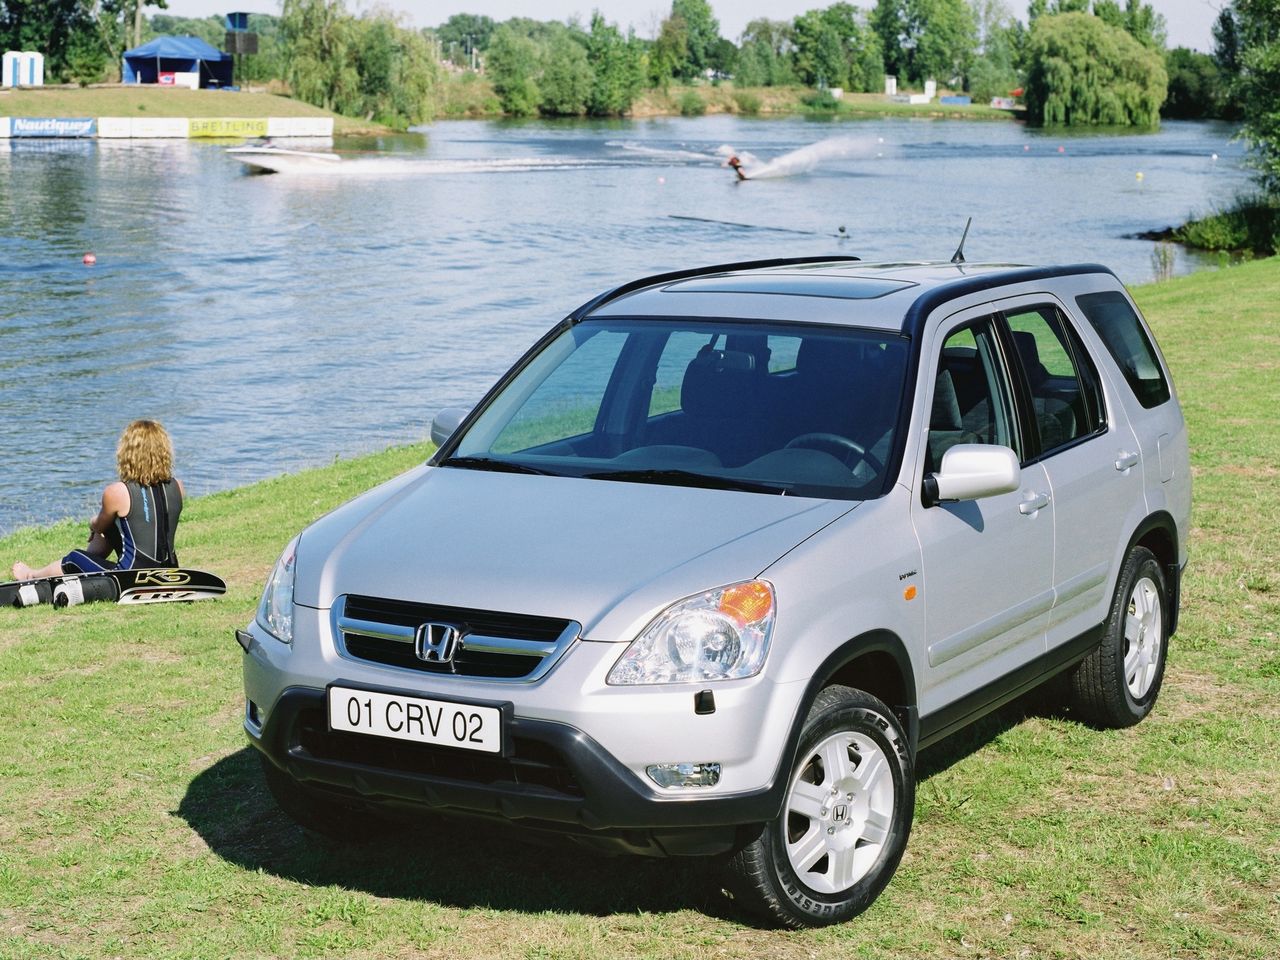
point(133, 822)
point(154, 101)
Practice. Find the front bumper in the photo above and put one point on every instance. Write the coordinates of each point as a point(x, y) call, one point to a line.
point(555, 778)
point(554, 775)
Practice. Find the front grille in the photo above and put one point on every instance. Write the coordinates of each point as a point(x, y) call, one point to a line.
point(532, 763)
point(492, 645)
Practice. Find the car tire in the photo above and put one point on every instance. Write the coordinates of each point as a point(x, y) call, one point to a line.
point(313, 810)
point(845, 820)
point(1116, 685)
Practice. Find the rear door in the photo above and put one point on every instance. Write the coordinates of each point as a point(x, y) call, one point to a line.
point(1090, 454)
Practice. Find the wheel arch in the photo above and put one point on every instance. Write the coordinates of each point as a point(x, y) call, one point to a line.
point(1159, 534)
point(875, 662)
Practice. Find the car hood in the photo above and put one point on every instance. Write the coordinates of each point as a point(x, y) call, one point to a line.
point(604, 553)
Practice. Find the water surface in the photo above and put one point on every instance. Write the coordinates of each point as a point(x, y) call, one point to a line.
point(273, 322)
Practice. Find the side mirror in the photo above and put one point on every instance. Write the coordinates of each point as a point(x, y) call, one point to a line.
point(971, 471)
point(444, 423)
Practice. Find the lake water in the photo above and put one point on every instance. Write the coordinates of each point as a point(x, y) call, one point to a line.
point(274, 322)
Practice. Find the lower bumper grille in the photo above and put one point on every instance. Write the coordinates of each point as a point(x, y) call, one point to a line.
point(532, 763)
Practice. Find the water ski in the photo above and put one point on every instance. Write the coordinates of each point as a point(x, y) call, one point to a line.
point(118, 586)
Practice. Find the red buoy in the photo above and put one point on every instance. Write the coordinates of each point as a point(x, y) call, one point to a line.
point(90, 259)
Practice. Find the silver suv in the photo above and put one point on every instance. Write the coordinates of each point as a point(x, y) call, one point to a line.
point(703, 572)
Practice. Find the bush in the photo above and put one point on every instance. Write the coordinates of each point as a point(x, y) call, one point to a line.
point(692, 104)
point(747, 102)
point(821, 101)
point(1252, 225)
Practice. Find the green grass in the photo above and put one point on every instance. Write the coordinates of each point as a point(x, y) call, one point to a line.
point(133, 822)
point(154, 101)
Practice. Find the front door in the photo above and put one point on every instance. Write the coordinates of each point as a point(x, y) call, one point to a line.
point(987, 564)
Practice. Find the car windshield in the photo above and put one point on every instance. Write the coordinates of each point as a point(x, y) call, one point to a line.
point(772, 408)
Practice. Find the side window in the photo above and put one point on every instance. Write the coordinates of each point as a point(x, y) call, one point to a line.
point(567, 403)
point(970, 395)
point(1063, 409)
point(1127, 342)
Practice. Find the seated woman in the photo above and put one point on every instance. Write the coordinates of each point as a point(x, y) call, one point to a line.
point(139, 513)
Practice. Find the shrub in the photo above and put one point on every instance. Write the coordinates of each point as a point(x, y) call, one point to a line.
point(692, 104)
point(747, 102)
point(1252, 225)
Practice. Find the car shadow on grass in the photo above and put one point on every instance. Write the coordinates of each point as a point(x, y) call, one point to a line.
point(478, 864)
point(459, 863)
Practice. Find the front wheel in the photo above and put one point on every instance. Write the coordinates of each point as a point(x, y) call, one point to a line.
point(1117, 684)
point(845, 819)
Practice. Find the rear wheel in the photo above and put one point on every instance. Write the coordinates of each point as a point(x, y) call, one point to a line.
point(845, 819)
point(1117, 684)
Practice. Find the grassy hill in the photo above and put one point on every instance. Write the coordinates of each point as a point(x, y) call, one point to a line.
point(154, 101)
point(133, 822)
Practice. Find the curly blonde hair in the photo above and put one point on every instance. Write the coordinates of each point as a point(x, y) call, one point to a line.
point(144, 454)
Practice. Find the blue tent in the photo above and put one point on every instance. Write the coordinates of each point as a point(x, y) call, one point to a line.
point(144, 64)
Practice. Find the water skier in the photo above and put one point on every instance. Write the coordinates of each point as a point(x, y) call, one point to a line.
point(737, 167)
point(139, 513)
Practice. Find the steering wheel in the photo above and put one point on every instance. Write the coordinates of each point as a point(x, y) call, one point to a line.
point(849, 452)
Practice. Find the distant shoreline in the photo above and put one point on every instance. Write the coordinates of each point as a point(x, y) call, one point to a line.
point(121, 100)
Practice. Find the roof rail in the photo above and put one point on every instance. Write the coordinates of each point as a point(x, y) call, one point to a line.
point(661, 278)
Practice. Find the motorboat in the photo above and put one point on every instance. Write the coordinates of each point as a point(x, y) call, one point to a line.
point(269, 158)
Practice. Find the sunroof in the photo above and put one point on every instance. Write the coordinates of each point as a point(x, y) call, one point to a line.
point(832, 286)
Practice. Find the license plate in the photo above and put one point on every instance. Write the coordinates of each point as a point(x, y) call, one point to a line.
point(416, 719)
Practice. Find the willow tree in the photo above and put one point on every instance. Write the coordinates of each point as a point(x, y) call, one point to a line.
point(1083, 72)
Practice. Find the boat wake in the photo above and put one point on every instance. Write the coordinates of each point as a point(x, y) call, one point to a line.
point(807, 158)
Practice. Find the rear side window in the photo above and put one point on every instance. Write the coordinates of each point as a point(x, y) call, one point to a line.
point(1121, 330)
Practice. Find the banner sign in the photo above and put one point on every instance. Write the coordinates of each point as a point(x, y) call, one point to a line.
point(54, 127)
point(228, 127)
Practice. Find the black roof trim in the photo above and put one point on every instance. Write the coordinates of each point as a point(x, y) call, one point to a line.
point(934, 297)
point(664, 278)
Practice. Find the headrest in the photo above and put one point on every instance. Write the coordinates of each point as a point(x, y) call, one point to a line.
point(946, 408)
point(717, 383)
point(827, 357)
point(1025, 341)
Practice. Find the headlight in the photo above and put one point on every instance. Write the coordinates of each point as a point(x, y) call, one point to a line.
point(722, 634)
point(275, 613)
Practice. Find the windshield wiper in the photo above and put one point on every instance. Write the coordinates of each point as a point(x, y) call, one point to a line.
point(493, 464)
point(687, 478)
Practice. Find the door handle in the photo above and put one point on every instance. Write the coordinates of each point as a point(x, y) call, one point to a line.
point(1125, 460)
point(1033, 503)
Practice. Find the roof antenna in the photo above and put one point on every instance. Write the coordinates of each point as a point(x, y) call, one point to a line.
point(958, 256)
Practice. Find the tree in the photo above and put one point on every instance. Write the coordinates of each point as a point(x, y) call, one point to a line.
point(924, 39)
point(945, 39)
point(565, 84)
point(1138, 18)
point(764, 54)
point(1197, 88)
point(318, 37)
point(462, 33)
point(994, 69)
point(889, 21)
point(512, 65)
point(670, 52)
point(1258, 30)
point(62, 30)
point(618, 66)
point(702, 31)
point(1084, 72)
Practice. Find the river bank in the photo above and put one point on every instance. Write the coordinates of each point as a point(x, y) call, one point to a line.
point(155, 101)
point(136, 823)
